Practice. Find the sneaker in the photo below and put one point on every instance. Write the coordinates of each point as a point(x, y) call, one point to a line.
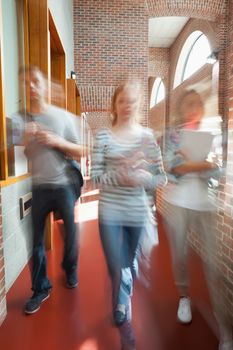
point(126, 347)
point(33, 304)
point(184, 313)
point(119, 315)
point(226, 345)
point(72, 280)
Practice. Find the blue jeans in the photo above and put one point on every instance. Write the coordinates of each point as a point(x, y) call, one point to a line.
point(120, 245)
point(44, 200)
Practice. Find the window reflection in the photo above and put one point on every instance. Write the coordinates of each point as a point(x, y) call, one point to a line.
point(158, 92)
point(193, 56)
point(197, 56)
point(14, 95)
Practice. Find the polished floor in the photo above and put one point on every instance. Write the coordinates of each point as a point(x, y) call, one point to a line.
point(80, 319)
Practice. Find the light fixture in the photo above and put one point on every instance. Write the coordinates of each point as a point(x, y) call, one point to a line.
point(73, 75)
point(213, 57)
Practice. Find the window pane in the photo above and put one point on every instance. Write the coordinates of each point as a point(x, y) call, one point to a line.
point(14, 96)
point(197, 56)
point(158, 92)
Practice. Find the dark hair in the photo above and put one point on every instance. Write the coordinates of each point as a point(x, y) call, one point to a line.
point(30, 69)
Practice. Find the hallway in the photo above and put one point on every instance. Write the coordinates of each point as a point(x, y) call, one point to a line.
point(80, 319)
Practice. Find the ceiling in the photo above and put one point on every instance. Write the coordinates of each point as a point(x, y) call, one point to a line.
point(164, 30)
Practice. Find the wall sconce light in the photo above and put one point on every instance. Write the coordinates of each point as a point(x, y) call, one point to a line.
point(213, 57)
point(72, 75)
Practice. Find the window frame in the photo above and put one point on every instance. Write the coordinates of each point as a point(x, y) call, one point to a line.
point(5, 179)
point(188, 56)
point(159, 82)
point(184, 57)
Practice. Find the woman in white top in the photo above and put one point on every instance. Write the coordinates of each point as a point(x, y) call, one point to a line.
point(126, 161)
point(190, 205)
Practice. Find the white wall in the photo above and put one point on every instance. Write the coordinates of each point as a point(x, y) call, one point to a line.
point(62, 13)
point(17, 233)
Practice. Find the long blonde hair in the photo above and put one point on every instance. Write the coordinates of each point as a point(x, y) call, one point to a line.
point(133, 84)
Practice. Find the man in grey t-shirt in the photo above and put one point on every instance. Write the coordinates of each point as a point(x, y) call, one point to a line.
point(50, 137)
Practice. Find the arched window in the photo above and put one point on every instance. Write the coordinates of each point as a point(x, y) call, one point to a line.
point(158, 92)
point(193, 56)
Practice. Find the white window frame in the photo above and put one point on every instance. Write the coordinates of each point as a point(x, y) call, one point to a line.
point(185, 55)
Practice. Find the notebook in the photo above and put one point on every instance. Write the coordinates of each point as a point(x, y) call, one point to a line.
point(196, 144)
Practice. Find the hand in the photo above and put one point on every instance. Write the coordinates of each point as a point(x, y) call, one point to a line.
point(31, 129)
point(140, 164)
point(211, 165)
point(133, 178)
point(47, 138)
point(135, 161)
point(143, 177)
point(183, 155)
point(126, 177)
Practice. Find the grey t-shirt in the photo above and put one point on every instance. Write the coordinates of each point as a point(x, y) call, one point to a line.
point(49, 166)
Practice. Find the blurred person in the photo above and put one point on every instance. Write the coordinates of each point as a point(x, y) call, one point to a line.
point(51, 137)
point(122, 160)
point(190, 206)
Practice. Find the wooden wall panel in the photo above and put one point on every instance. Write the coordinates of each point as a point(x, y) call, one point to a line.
point(58, 66)
point(71, 96)
point(3, 141)
point(58, 76)
point(78, 105)
point(38, 23)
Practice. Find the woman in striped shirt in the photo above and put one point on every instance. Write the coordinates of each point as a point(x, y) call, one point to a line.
point(126, 162)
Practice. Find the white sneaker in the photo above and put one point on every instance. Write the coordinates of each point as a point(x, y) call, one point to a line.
point(184, 313)
point(226, 345)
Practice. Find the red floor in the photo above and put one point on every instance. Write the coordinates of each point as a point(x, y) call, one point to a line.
point(80, 319)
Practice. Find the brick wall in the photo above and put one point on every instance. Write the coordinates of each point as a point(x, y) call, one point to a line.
point(205, 9)
point(110, 45)
point(98, 120)
point(225, 214)
point(2, 273)
point(158, 62)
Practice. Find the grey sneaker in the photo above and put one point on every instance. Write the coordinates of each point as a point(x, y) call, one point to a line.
point(33, 304)
point(119, 315)
point(184, 313)
point(71, 280)
point(226, 345)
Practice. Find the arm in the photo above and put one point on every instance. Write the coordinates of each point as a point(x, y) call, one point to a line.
point(49, 139)
point(191, 167)
point(177, 163)
point(99, 175)
point(156, 175)
point(68, 142)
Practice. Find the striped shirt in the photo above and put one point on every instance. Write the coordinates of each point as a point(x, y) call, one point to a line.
point(119, 204)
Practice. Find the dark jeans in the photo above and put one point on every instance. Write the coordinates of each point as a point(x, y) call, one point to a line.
point(120, 245)
point(46, 199)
